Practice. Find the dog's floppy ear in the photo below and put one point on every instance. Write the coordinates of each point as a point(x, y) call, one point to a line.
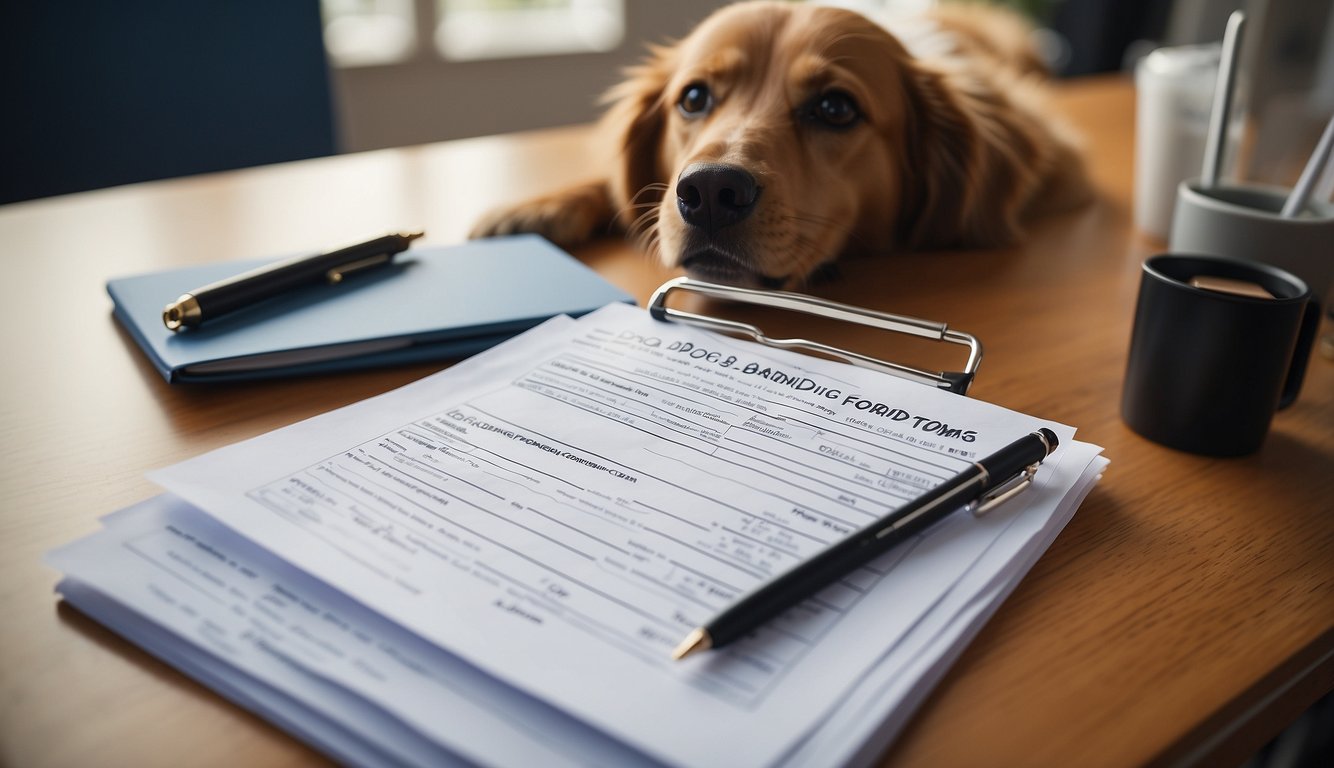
point(633, 126)
point(968, 174)
point(631, 132)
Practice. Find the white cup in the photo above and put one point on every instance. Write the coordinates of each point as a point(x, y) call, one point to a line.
point(1174, 94)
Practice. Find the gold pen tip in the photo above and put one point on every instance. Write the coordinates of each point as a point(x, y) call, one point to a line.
point(697, 640)
point(410, 236)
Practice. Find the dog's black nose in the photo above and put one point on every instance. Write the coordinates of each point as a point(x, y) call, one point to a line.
point(715, 195)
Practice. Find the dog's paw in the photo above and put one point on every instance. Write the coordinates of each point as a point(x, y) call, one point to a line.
point(567, 218)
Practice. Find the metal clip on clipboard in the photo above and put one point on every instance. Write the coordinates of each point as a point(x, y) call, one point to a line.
point(954, 381)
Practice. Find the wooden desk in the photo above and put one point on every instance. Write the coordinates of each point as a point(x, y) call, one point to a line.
point(1187, 611)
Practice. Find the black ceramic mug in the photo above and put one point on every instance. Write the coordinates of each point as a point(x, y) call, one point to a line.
point(1208, 368)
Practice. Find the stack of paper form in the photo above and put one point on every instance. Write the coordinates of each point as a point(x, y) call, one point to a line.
point(491, 565)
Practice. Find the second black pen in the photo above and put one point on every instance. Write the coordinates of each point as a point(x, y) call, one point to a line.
point(814, 574)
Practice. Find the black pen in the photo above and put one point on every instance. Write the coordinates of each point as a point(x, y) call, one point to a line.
point(226, 296)
point(985, 483)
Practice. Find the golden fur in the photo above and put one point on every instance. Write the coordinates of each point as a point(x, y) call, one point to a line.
point(953, 147)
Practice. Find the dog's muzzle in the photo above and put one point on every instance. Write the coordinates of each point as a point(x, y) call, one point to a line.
point(711, 196)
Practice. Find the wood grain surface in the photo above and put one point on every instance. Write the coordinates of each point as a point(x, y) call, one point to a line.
point(1186, 614)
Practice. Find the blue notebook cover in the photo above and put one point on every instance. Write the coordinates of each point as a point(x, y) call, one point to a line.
point(432, 303)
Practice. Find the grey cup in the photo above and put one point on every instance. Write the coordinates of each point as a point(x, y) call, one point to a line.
point(1243, 222)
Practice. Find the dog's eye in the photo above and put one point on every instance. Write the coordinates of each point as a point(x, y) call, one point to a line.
point(836, 109)
point(695, 100)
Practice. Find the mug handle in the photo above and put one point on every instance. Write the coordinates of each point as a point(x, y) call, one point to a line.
point(1302, 354)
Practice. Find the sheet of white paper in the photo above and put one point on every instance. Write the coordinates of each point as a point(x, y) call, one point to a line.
point(277, 641)
point(347, 733)
point(177, 583)
point(560, 510)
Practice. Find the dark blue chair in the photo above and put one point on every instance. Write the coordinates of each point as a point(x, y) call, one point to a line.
point(103, 92)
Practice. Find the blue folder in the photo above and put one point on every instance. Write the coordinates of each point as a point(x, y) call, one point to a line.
point(432, 303)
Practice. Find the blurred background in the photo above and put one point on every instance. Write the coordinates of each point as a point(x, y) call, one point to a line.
point(102, 93)
point(106, 92)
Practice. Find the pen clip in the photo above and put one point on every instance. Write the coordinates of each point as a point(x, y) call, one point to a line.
point(337, 274)
point(1003, 492)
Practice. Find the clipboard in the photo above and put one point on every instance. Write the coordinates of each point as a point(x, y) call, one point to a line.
point(952, 381)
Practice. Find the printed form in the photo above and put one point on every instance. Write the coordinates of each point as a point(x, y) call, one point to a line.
point(560, 511)
point(284, 644)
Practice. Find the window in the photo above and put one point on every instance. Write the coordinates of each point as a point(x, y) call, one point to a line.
point(403, 68)
point(365, 32)
point(495, 29)
point(376, 32)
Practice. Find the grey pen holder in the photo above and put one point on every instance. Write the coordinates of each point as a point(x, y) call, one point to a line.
point(1243, 222)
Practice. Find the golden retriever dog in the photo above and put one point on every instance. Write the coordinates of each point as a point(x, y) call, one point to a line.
point(777, 137)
